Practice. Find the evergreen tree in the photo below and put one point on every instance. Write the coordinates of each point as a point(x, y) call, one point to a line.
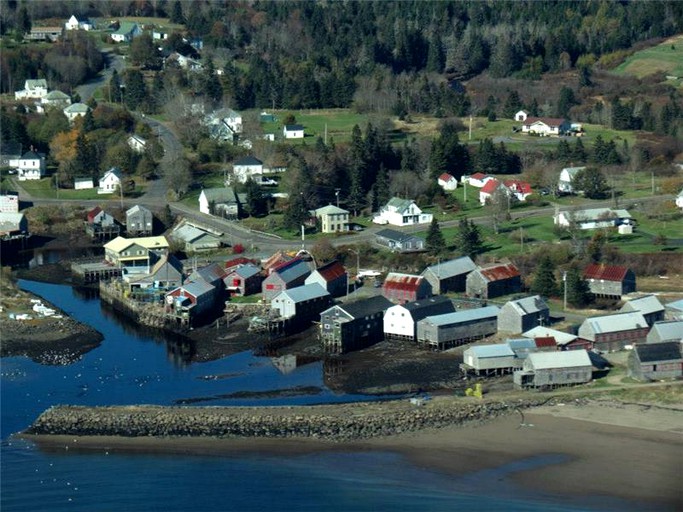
point(88, 122)
point(578, 291)
point(382, 186)
point(115, 87)
point(177, 13)
point(296, 214)
point(435, 56)
point(579, 154)
point(212, 84)
point(468, 239)
point(565, 102)
point(512, 105)
point(592, 182)
point(544, 283)
point(534, 109)
point(135, 91)
point(563, 153)
point(435, 241)
point(256, 200)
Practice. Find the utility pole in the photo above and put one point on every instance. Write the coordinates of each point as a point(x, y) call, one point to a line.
point(470, 135)
point(564, 280)
point(336, 193)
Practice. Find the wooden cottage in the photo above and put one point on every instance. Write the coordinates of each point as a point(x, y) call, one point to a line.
point(649, 306)
point(656, 361)
point(332, 277)
point(520, 315)
point(353, 326)
point(493, 281)
point(400, 321)
point(449, 276)
point(243, 280)
point(611, 281)
point(452, 329)
point(304, 303)
point(548, 370)
point(284, 277)
point(100, 224)
point(488, 360)
point(613, 332)
point(671, 330)
point(403, 288)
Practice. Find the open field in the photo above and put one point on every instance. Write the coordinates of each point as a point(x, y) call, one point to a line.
point(339, 122)
point(666, 57)
point(44, 188)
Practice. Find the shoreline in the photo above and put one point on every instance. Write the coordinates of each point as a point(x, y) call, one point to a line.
point(604, 451)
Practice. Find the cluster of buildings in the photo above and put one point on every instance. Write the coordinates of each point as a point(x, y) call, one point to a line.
point(36, 92)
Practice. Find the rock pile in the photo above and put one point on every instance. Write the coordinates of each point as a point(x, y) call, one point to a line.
point(338, 423)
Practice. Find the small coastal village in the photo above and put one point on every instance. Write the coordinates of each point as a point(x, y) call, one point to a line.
point(500, 255)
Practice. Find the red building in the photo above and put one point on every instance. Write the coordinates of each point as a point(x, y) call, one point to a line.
point(402, 288)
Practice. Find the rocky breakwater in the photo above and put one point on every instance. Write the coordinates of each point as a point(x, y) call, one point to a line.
point(344, 422)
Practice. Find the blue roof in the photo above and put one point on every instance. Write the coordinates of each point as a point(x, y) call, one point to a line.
point(293, 270)
point(463, 316)
point(521, 343)
point(246, 271)
point(498, 350)
point(197, 288)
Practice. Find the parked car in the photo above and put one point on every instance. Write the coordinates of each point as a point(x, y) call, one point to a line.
point(267, 182)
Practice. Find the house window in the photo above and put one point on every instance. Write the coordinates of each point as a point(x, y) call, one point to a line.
point(327, 326)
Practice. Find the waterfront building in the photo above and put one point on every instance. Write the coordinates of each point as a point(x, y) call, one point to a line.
point(656, 361)
point(453, 329)
point(288, 275)
point(649, 306)
point(613, 332)
point(493, 280)
point(520, 315)
point(400, 321)
point(547, 370)
point(403, 288)
point(353, 326)
point(304, 303)
point(449, 276)
point(671, 330)
point(135, 255)
point(243, 280)
point(332, 277)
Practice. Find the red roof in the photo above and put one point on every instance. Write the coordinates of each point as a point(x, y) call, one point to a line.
point(521, 187)
point(550, 121)
point(605, 272)
point(499, 272)
point(332, 271)
point(446, 177)
point(545, 342)
point(478, 176)
point(236, 262)
point(93, 213)
point(490, 187)
point(275, 260)
point(403, 282)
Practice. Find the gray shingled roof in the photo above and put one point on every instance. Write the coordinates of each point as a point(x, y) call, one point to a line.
point(396, 236)
point(617, 322)
point(529, 305)
point(246, 271)
point(646, 305)
point(670, 330)
point(566, 359)
point(367, 307)
point(451, 268)
point(486, 351)
point(292, 270)
point(302, 293)
point(462, 316)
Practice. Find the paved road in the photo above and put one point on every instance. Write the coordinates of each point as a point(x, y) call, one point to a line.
point(113, 61)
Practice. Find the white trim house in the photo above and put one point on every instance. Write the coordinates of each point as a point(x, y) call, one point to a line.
point(33, 89)
point(31, 166)
point(110, 182)
point(401, 212)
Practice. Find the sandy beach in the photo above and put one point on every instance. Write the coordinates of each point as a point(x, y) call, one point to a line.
point(615, 450)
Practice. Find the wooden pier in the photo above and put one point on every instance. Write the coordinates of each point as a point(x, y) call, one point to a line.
point(94, 272)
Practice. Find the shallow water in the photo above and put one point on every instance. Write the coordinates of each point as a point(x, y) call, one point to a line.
point(130, 367)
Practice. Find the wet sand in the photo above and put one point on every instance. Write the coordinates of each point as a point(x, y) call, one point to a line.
point(622, 451)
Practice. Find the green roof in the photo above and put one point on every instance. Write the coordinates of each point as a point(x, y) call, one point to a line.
point(126, 27)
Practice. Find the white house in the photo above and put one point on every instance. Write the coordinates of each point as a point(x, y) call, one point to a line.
point(478, 179)
point(74, 24)
point(137, 143)
point(401, 212)
point(332, 219)
point(110, 182)
point(447, 181)
point(593, 218)
point(400, 321)
point(567, 175)
point(30, 166)
point(545, 126)
point(76, 110)
point(293, 131)
point(247, 167)
point(521, 115)
point(234, 121)
point(126, 32)
point(83, 183)
point(491, 188)
point(33, 89)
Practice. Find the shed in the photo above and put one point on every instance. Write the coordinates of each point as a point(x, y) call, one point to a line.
point(562, 339)
point(671, 330)
point(288, 275)
point(613, 332)
point(353, 326)
point(400, 321)
point(490, 360)
point(649, 306)
point(493, 281)
point(195, 239)
point(405, 287)
point(244, 280)
point(453, 329)
point(139, 221)
point(332, 277)
point(674, 310)
point(610, 281)
point(191, 300)
point(449, 276)
point(656, 361)
point(522, 347)
point(520, 315)
point(303, 302)
point(547, 370)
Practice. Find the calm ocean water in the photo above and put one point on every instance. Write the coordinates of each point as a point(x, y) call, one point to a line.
point(132, 368)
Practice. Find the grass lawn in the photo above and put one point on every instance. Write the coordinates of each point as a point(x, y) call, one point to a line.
point(666, 57)
point(340, 123)
point(45, 189)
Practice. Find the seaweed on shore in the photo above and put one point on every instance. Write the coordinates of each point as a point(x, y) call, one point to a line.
point(271, 393)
